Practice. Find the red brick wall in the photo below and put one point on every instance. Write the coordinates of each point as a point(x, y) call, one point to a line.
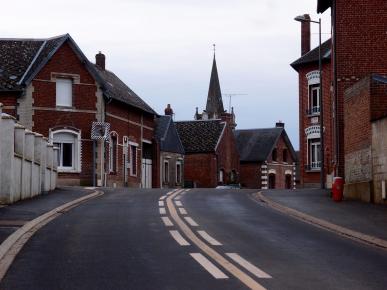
point(8, 99)
point(378, 100)
point(201, 168)
point(308, 178)
point(250, 175)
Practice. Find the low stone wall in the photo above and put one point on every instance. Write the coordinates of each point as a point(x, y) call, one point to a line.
point(27, 164)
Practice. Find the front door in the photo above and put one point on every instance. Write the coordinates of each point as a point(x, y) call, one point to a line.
point(146, 180)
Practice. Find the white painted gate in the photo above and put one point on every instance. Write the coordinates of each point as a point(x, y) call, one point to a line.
point(146, 181)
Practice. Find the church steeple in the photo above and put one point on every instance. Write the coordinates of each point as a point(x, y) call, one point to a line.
point(214, 107)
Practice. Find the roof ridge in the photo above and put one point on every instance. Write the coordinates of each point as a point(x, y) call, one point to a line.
point(30, 39)
point(208, 120)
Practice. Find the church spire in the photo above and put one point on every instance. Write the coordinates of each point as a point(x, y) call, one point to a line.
point(214, 105)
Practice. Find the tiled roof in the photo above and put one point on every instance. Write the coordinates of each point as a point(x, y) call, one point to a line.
point(323, 5)
point(255, 145)
point(313, 56)
point(200, 136)
point(167, 135)
point(118, 90)
point(20, 58)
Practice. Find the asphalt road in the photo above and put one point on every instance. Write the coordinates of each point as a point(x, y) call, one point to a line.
point(120, 241)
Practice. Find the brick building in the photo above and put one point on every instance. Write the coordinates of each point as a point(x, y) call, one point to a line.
point(356, 50)
point(51, 87)
point(211, 156)
point(170, 168)
point(267, 158)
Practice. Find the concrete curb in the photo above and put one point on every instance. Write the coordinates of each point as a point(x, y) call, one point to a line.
point(14, 243)
point(354, 235)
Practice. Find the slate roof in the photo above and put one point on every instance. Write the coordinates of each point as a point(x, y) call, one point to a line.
point(200, 136)
point(255, 145)
point(167, 135)
point(214, 99)
point(312, 56)
point(116, 89)
point(323, 5)
point(22, 59)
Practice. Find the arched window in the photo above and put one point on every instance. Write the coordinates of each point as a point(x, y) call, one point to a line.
point(113, 152)
point(288, 181)
point(285, 155)
point(221, 176)
point(274, 154)
point(271, 181)
point(69, 154)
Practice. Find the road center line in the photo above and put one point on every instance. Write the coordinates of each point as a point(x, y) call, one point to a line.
point(210, 267)
point(209, 239)
point(248, 266)
point(179, 238)
point(161, 203)
point(182, 210)
point(167, 222)
point(191, 221)
point(178, 203)
point(162, 210)
point(163, 197)
point(231, 268)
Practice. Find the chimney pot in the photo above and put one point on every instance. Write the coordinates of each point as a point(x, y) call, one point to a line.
point(305, 35)
point(168, 110)
point(280, 124)
point(100, 60)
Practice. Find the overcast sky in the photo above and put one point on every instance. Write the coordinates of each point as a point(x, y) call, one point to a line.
point(163, 49)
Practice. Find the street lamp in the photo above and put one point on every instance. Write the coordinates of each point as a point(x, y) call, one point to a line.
point(302, 18)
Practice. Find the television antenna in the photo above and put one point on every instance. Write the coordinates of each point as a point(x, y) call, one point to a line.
point(230, 97)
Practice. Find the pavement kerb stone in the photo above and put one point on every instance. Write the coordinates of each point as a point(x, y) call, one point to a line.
point(354, 235)
point(6, 246)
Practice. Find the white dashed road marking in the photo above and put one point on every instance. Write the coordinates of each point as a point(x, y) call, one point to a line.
point(161, 203)
point(182, 210)
point(179, 238)
point(178, 197)
point(162, 210)
point(191, 221)
point(163, 197)
point(167, 221)
point(209, 239)
point(211, 268)
point(178, 203)
point(248, 266)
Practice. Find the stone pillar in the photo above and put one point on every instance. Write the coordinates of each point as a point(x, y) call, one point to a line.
point(36, 176)
point(7, 141)
point(20, 136)
point(50, 165)
point(28, 164)
point(54, 172)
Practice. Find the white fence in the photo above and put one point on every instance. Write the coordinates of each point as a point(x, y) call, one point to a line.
point(27, 163)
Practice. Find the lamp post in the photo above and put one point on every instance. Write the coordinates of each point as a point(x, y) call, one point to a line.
point(302, 18)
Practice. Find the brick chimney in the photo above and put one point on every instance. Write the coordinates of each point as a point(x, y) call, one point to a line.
point(305, 35)
point(280, 124)
point(168, 110)
point(100, 60)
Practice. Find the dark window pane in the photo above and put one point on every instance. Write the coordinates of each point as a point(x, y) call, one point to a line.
point(67, 154)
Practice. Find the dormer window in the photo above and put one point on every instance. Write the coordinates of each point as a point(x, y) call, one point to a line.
point(64, 92)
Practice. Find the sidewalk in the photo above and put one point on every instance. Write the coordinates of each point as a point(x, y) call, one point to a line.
point(16, 215)
point(364, 218)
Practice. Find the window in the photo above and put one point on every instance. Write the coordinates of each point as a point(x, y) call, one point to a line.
point(166, 171)
point(285, 155)
point(68, 155)
point(233, 176)
point(288, 181)
point(113, 154)
point(178, 172)
point(64, 92)
point(271, 181)
point(133, 160)
point(314, 99)
point(221, 176)
point(274, 155)
point(314, 154)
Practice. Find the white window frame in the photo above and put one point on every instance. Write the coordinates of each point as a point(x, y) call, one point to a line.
point(64, 92)
point(131, 145)
point(76, 149)
point(166, 174)
point(221, 175)
point(314, 154)
point(178, 163)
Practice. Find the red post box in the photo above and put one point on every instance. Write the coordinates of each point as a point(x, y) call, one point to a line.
point(338, 189)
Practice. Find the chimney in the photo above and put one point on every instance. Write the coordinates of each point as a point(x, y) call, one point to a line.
point(280, 124)
point(168, 110)
point(305, 35)
point(100, 60)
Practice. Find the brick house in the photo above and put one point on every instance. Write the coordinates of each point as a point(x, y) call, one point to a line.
point(51, 87)
point(267, 158)
point(170, 169)
point(211, 157)
point(356, 51)
point(365, 118)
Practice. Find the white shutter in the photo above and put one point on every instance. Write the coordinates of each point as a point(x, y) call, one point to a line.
point(64, 92)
